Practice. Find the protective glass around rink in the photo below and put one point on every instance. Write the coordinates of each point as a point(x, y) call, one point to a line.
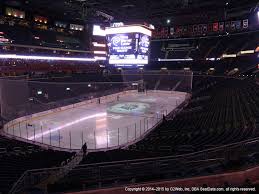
point(118, 112)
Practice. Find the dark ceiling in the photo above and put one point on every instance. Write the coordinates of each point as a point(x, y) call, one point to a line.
point(153, 11)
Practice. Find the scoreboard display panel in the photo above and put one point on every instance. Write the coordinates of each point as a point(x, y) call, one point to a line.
point(128, 45)
point(122, 44)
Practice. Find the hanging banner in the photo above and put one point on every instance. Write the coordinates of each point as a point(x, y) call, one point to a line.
point(195, 28)
point(245, 24)
point(216, 27)
point(233, 25)
point(205, 29)
point(172, 31)
point(227, 26)
point(210, 27)
point(238, 24)
point(221, 26)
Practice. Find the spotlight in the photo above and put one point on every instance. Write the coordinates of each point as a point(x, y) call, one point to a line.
point(168, 21)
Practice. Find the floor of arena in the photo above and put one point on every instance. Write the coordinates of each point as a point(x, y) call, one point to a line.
point(103, 125)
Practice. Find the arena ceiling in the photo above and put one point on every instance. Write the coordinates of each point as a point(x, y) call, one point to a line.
point(126, 10)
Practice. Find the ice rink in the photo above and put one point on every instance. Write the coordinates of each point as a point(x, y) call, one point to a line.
point(121, 119)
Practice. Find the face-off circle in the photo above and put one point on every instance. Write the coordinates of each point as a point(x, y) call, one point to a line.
point(129, 108)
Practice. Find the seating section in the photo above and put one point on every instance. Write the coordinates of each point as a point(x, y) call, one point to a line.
point(45, 38)
point(202, 48)
point(227, 116)
point(207, 53)
point(96, 176)
point(222, 111)
point(16, 157)
point(77, 83)
point(32, 67)
point(124, 174)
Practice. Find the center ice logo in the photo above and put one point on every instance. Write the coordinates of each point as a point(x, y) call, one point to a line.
point(129, 107)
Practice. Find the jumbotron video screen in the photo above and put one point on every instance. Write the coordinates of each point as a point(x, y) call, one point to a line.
point(130, 47)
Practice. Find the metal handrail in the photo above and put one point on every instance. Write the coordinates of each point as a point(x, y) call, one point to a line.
point(19, 181)
point(69, 166)
point(164, 158)
point(179, 159)
point(228, 147)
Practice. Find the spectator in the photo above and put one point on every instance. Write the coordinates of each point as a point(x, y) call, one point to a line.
point(84, 147)
point(164, 118)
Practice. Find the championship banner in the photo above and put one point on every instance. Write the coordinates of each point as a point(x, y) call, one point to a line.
point(238, 25)
point(185, 29)
point(210, 27)
point(179, 30)
point(200, 28)
point(221, 26)
point(227, 26)
point(172, 31)
point(245, 24)
point(190, 29)
point(216, 27)
point(233, 25)
point(195, 28)
point(204, 27)
point(166, 31)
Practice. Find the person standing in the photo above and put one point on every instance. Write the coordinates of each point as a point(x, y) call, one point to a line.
point(84, 148)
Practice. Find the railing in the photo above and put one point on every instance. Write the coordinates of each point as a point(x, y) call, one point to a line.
point(44, 179)
point(236, 178)
point(20, 183)
point(169, 166)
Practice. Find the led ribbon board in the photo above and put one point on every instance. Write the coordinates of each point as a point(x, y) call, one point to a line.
point(49, 58)
point(128, 45)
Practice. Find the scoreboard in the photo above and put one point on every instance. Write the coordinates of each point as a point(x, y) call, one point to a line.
point(128, 45)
